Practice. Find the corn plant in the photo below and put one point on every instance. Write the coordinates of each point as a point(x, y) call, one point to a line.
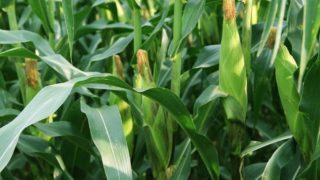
point(159, 89)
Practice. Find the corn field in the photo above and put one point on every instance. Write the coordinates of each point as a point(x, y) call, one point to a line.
point(160, 89)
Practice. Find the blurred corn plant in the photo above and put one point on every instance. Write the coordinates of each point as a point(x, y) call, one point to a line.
point(159, 89)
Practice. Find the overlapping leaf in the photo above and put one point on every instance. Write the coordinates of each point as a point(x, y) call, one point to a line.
point(167, 99)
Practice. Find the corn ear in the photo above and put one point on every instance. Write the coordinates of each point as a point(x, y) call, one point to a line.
point(158, 134)
point(232, 71)
point(233, 78)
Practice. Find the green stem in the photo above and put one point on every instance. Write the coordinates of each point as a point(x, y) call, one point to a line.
point(303, 65)
point(246, 34)
point(137, 29)
point(11, 10)
point(51, 20)
point(136, 46)
point(52, 40)
point(216, 33)
point(12, 17)
point(176, 63)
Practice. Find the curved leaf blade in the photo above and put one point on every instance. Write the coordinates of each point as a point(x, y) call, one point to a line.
point(22, 36)
point(116, 48)
point(106, 130)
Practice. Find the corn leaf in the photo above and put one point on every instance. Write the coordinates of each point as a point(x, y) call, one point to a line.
point(182, 164)
point(166, 99)
point(106, 131)
point(280, 158)
point(99, 26)
point(18, 52)
point(299, 124)
point(5, 3)
point(159, 26)
point(310, 102)
point(260, 145)
point(134, 4)
point(208, 57)
point(40, 8)
point(205, 104)
point(22, 36)
point(37, 147)
point(116, 48)
point(311, 25)
point(54, 97)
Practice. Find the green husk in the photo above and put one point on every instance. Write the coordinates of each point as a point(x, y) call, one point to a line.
point(232, 78)
point(232, 70)
point(157, 130)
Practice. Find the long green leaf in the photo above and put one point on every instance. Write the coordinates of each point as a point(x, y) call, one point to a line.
point(18, 52)
point(22, 36)
point(106, 131)
point(134, 4)
point(285, 67)
point(116, 48)
point(208, 57)
point(159, 26)
point(32, 113)
point(210, 97)
point(311, 25)
point(60, 92)
point(280, 158)
point(257, 146)
point(101, 25)
point(182, 164)
point(58, 129)
point(5, 3)
point(40, 8)
point(35, 146)
point(310, 103)
point(164, 97)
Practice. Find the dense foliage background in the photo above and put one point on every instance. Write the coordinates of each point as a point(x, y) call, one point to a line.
point(159, 89)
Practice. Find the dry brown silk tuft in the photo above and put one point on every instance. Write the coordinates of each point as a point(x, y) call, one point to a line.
point(229, 9)
point(272, 38)
point(32, 72)
point(119, 66)
point(143, 62)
